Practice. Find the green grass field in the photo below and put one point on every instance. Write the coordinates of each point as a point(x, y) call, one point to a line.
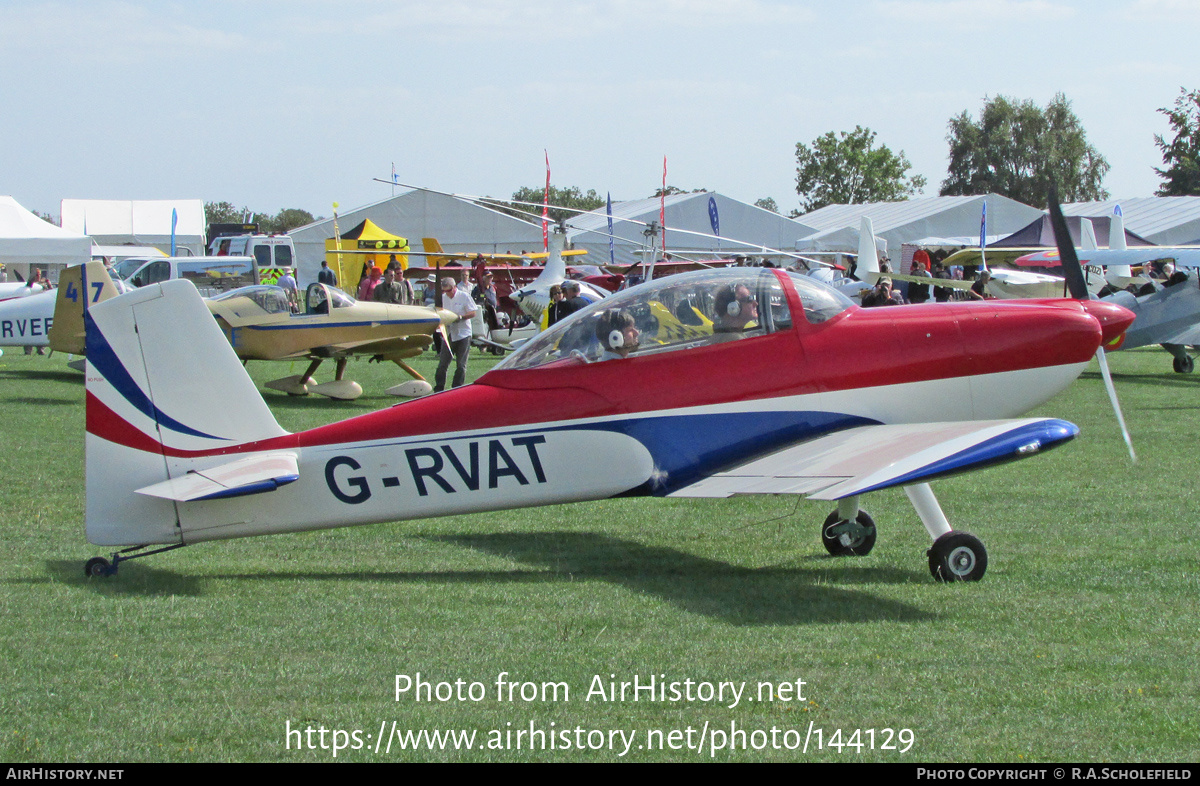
point(1082, 643)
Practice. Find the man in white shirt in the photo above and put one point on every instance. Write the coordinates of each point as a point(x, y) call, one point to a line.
point(459, 333)
point(288, 282)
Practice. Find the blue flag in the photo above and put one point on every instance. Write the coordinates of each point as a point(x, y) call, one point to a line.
point(174, 222)
point(713, 218)
point(983, 227)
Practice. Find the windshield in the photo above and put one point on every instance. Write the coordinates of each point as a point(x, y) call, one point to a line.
point(677, 312)
point(272, 300)
point(821, 301)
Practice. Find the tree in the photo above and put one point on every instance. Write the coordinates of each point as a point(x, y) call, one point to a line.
point(1181, 156)
point(571, 197)
point(1018, 149)
point(285, 220)
point(767, 203)
point(847, 168)
point(224, 213)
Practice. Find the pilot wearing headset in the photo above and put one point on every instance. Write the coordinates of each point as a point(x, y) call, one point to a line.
point(736, 308)
point(617, 333)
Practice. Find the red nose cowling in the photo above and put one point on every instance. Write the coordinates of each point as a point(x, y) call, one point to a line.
point(1114, 320)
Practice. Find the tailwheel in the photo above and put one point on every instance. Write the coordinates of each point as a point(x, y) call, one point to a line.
point(843, 537)
point(1183, 365)
point(97, 567)
point(957, 556)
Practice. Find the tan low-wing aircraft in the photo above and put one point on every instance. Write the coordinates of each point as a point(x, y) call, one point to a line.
point(260, 325)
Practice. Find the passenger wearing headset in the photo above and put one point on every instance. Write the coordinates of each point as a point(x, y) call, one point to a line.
point(617, 333)
point(736, 309)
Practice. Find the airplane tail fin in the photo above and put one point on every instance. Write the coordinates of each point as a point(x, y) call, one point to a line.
point(434, 247)
point(164, 389)
point(1117, 242)
point(79, 288)
point(868, 255)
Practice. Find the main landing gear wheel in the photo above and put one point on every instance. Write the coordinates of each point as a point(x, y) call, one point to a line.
point(1183, 365)
point(957, 556)
point(843, 537)
point(97, 567)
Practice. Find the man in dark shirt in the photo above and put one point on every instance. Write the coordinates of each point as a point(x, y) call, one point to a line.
point(574, 301)
point(327, 276)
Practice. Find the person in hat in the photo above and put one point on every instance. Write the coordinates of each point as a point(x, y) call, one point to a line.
point(459, 333)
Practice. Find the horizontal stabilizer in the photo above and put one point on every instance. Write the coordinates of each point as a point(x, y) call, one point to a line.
point(869, 458)
point(254, 475)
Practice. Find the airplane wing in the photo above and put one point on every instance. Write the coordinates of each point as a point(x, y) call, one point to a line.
point(1181, 256)
point(869, 458)
point(254, 475)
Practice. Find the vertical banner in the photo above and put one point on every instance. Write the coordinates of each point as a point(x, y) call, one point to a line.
point(612, 251)
point(546, 207)
point(714, 219)
point(174, 223)
point(983, 237)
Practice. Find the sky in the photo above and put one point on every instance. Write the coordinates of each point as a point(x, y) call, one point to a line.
point(274, 104)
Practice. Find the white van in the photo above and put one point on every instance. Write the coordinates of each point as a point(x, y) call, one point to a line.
point(273, 253)
point(211, 275)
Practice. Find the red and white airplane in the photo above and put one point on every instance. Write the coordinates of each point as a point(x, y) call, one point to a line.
point(708, 384)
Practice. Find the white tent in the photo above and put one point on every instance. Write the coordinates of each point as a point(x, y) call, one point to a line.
point(913, 219)
point(1165, 221)
point(143, 222)
point(458, 225)
point(28, 241)
point(691, 223)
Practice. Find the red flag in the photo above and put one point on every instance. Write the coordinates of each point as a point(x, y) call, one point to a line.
point(546, 207)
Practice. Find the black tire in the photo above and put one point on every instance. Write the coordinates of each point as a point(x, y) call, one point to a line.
point(97, 567)
point(1183, 365)
point(858, 546)
point(957, 556)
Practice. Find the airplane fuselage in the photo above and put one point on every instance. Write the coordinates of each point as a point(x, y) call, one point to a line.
point(573, 430)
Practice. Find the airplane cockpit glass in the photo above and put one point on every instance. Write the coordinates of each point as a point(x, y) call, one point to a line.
point(339, 298)
point(821, 302)
point(272, 300)
point(674, 313)
point(315, 299)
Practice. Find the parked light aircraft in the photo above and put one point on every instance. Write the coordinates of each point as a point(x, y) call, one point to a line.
point(1168, 316)
point(785, 387)
point(259, 324)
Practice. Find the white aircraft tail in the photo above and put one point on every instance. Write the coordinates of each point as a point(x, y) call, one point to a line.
point(1087, 235)
point(534, 298)
point(868, 255)
point(164, 388)
point(1116, 242)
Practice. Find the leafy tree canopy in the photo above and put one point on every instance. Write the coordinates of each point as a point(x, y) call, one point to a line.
point(1017, 149)
point(572, 197)
point(767, 203)
point(847, 168)
point(283, 221)
point(1181, 156)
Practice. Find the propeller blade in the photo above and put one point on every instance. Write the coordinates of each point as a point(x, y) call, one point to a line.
point(1112, 396)
point(1072, 272)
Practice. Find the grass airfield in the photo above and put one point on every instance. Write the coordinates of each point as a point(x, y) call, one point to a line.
point(1082, 643)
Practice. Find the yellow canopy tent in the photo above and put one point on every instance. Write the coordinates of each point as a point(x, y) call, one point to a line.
point(364, 245)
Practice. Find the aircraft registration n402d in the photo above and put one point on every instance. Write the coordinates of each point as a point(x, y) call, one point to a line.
point(760, 382)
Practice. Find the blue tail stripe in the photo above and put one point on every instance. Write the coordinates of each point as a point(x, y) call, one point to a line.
point(101, 355)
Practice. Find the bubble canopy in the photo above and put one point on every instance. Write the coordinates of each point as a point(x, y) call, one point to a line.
point(678, 313)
